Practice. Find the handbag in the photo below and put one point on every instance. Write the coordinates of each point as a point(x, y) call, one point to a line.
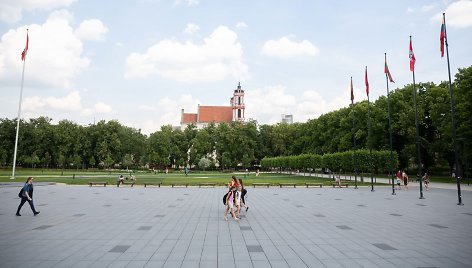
point(20, 194)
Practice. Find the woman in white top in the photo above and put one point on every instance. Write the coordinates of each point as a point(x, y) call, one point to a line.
point(237, 200)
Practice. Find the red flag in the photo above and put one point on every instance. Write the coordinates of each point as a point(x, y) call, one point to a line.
point(442, 37)
point(387, 71)
point(352, 92)
point(412, 58)
point(23, 54)
point(366, 82)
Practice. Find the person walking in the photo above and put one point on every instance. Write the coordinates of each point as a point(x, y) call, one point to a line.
point(399, 178)
point(230, 203)
point(426, 180)
point(243, 194)
point(26, 194)
point(405, 180)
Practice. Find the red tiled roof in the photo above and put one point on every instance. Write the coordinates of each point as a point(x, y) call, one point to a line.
point(217, 114)
point(189, 118)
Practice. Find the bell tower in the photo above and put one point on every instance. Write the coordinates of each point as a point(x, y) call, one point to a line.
point(237, 102)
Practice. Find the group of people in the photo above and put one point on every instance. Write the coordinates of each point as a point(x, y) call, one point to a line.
point(234, 199)
point(402, 177)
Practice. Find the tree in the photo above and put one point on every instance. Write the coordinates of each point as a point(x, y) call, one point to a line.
point(204, 163)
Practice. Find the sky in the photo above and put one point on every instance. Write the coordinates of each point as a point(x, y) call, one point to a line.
point(140, 62)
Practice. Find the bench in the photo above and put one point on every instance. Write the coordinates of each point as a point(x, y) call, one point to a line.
point(313, 184)
point(206, 184)
point(342, 183)
point(125, 183)
point(98, 182)
point(152, 183)
point(287, 184)
point(260, 184)
point(175, 184)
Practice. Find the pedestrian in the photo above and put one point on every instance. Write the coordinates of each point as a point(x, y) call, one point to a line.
point(426, 180)
point(26, 194)
point(405, 180)
point(338, 181)
point(234, 182)
point(237, 201)
point(230, 204)
point(399, 177)
point(243, 195)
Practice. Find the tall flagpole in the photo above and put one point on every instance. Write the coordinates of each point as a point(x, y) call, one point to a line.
point(19, 108)
point(418, 144)
point(354, 136)
point(369, 133)
point(453, 126)
point(390, 131)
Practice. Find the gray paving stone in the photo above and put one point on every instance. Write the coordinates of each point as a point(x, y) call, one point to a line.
point(120, 248)
point(437, 226)
point(384, 246)
point(196, 234)
point(43, 227)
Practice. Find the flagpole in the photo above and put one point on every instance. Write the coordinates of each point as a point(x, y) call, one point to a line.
point(390, 131)
point(19, 117)
point(418, 144)
point(370, 141)
point(453, 126)
point(354, 137)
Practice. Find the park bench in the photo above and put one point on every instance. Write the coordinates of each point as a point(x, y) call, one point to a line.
point(179, 184)
point(287, 184)
point(206, 184)
point(342, 183)
point(98, 182)
point(260, 184)
point(313, 184)
point(125, 183)
point(152, 183)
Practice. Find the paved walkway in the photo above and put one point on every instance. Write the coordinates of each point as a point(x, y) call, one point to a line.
point(437, 185)
point(81, 226)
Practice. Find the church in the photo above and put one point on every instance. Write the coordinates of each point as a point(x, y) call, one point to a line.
point(216, 114)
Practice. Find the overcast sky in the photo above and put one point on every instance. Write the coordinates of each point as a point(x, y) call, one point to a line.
point(140, 62)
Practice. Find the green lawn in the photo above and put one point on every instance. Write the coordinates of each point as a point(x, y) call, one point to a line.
point(194, 178)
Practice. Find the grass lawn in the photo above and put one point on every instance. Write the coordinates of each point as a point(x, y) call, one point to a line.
point(194, 178)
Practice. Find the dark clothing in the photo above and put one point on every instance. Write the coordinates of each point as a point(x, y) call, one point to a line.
point(23, 201)
point(244, 192)
point(28, 188)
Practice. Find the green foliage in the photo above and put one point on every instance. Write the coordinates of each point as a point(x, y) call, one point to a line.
point(343, 161)
point(324, 142)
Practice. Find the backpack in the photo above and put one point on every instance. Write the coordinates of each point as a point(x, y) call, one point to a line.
point(20, 194)
point(224, 199)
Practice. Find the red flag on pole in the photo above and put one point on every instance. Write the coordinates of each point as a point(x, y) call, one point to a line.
point(352, 92)
point(366, 82)
point(387, 71)
point(412, 58)
point(442, 37)
point(23, 54)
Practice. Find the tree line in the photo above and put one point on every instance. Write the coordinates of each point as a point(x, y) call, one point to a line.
point(107, 144)
point(337, 162)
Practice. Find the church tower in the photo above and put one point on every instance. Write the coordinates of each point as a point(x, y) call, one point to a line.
point(237, 102)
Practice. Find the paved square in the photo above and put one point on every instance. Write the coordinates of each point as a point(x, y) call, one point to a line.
point(184, 227)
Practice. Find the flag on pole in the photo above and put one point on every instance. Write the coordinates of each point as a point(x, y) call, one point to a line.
point(23, 54)
point(366, 82)
point(442, 37)
point(387, 71)
point(412, 58)
point(352, 92)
